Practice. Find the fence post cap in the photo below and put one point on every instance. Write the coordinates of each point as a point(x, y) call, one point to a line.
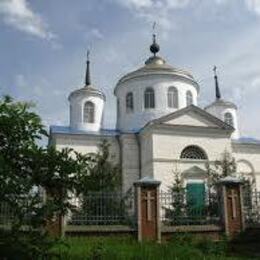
point(230, 180)
point(147, 181)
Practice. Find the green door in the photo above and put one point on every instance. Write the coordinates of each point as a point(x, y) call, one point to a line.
point(195, 199)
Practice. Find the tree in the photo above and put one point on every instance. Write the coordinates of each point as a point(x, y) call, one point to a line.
point(100, 189)
point(222, 168)
point(177, 208)
point(103, 175)
point(25, 170)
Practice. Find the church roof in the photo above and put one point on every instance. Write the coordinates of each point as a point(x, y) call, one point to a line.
point(55, 129)
point(222, 103)
point(88, 90)
point(156, 65)
point(247, 140)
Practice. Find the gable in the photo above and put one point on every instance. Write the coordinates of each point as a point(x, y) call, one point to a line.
point(190, 119)
point(192, 116)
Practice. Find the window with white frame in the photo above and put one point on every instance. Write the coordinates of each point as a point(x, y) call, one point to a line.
point(89, 112)
point(173, 100)
point(129, 102)
point(149, 98)
point(189, 98)
point(228, 118)
point(193, 152)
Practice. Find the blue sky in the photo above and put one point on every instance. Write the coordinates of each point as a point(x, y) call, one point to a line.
point(43, 48)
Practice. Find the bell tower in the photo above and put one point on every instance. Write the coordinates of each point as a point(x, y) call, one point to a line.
point(86, 105)
point(222, 109)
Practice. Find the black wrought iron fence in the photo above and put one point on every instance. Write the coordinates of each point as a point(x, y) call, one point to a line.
point(103, 208)
point(185, 208)
point(251, 206)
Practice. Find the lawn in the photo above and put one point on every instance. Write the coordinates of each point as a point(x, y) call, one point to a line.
point(113, 248)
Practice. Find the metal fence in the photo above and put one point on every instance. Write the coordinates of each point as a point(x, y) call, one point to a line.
point(6, 214)
point(103, 208)
point(251, 206)
point(25, 207)
point(182, 208)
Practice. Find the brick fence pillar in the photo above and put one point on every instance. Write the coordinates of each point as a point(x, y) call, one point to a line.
point(54, 226)
point(232, 206)
point(148, 209)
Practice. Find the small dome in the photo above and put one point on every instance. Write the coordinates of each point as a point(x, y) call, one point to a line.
point(88, 91)
point(222, 103)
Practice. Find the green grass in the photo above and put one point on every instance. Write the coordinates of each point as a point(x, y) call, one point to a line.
point(114, 248)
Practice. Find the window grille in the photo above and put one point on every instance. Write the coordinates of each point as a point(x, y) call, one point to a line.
point(149, 100)
point(193, 152)
point(173, 100)
point(89, 112)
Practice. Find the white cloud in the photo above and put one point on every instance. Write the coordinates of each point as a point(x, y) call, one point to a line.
point(137, 4)
point(18, 14)
point(161, 10)
point(152, 10)
point(253, 5)
point(96, 33)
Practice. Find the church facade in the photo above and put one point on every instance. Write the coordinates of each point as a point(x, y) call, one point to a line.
point(160, 130)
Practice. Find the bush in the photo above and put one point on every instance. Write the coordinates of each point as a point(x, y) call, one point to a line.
point(183, 247)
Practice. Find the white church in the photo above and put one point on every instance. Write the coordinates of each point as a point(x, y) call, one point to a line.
point(159, 126)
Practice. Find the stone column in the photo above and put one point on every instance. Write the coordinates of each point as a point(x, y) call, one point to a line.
point(148, 209)
point(54, 226)
point(232, 206)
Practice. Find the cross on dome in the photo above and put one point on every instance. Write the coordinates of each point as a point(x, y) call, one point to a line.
point(218, 94)
point(87, 78)
point(154, 48)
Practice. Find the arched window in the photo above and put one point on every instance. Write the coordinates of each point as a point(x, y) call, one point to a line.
point(189, 98)
point(89, 112)
point(193, 152)
point(149, 100)
point(228, 118)
point(129, 102)
point(173, 100)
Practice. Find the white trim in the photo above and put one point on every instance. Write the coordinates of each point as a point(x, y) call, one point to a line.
point(188, 181)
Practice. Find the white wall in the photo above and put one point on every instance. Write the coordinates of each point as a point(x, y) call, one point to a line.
point(135, 120)
point(248, 160)
point(167, 148)
point(76, 112)
point(87, 144)
point(130, 160)
point(219, 112)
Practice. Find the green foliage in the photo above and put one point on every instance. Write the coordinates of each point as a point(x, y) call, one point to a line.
point(178, 204)
point(182, 247)
point(100, 188)
point(32, 245)
point(103, 174)
point(26, 168)
point(224, 167)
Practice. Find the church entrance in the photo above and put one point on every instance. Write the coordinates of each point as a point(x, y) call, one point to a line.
point(195, 198)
